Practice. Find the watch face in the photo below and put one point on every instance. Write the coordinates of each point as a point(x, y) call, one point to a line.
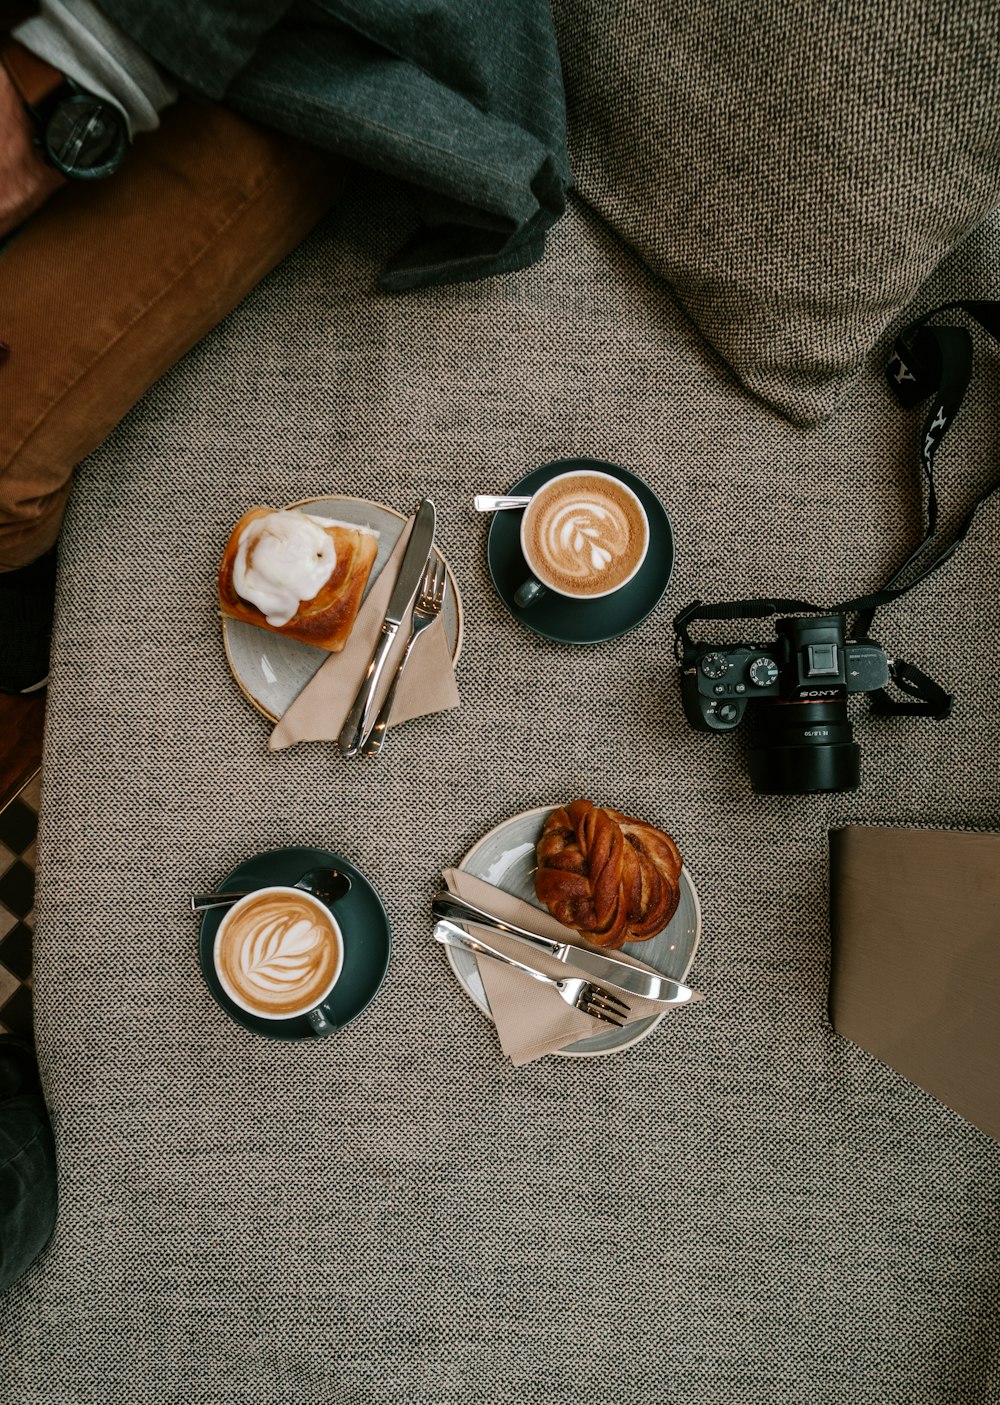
point(86, 137)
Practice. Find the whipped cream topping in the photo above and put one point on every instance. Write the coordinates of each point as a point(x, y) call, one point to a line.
point(281, 560)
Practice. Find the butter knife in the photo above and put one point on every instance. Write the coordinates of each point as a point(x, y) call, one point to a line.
point(418, 549)
point(447, 907)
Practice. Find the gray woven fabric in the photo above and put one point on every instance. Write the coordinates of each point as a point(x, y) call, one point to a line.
point(795, 173)
point(743, 1209)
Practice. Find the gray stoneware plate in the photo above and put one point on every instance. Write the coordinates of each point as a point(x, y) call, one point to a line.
point(272, 670)
point(506, 858)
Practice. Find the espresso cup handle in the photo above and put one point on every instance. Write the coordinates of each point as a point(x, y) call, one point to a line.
point(529, 593)
point(318, 1020)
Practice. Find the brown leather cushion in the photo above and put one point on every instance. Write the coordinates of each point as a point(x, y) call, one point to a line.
point(110, 284)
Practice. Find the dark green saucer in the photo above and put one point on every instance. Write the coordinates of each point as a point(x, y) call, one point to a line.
point(360, 915)
point(582, 621)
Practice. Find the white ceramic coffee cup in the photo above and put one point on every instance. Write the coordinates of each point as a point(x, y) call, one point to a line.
point(312, 1009)
point(534, 589)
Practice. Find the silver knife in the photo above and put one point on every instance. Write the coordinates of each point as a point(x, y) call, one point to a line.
point(606, 969)
point(418, 549)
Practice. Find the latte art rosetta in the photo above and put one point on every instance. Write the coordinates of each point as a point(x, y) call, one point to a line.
point(278, 953)
point(282, 956)
point(584, 534)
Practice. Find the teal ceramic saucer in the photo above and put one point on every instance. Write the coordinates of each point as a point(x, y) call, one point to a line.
point(582, 621)
point(362, 920)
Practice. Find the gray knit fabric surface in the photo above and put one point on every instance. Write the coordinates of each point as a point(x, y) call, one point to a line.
point(743, 1209)
point(795, 173)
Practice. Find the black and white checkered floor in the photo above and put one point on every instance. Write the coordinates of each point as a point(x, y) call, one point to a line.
point(18, 828)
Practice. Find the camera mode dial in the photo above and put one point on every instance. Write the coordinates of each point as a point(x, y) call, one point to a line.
point(714, 665)
point(763, 672)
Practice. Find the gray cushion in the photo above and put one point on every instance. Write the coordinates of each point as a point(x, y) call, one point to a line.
point(743, 1209)
point(794, 172)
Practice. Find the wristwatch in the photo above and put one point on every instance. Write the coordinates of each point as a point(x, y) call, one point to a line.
point(84, 136)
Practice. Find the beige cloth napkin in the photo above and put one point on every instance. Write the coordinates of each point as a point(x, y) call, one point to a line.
point(915, 978)
point(427, 684)
point(531, 1019)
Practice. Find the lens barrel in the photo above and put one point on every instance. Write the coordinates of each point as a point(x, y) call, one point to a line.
point(803, 747)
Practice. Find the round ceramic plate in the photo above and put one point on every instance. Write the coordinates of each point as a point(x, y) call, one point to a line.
point(272, 670)
point(360, 916)
point(506, 858)
point(582, 621)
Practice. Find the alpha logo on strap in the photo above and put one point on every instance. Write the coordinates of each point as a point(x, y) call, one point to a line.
point(935, 433)
point(900, 372)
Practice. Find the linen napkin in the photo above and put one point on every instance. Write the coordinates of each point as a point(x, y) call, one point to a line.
point(427, 684)
point(915, 974)
point(532, 1019)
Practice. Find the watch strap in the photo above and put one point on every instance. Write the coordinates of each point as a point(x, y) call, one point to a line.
point(34, 80)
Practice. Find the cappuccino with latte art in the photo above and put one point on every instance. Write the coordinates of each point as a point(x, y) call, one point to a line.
point(584, 534)
point(278, 953)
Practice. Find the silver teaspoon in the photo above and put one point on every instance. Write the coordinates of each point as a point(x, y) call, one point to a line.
point(327, 884)
point(482, 502)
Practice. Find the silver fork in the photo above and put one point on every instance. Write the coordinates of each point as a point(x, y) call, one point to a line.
point(579, 994)
point(425, 612)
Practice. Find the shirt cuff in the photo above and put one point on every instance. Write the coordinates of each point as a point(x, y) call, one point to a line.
point(75, 37)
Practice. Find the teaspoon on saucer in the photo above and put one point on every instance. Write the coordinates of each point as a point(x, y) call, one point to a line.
point(482, 502)
point(327, 884)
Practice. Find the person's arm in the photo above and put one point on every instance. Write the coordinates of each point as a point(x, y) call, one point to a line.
point(75, 38)
point(203, 43)
point(26, 178)
point(78, 38)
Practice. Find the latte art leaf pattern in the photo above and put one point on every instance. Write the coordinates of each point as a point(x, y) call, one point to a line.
point(282, 955)
point(584, 534)
point(582, 537)
point(584, 544)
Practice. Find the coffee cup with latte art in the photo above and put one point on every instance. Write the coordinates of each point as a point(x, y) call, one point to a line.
point(278, 954)
point(584, 535)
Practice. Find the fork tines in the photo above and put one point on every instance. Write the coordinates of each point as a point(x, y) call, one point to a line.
point(599, 1003)
point(432, 587)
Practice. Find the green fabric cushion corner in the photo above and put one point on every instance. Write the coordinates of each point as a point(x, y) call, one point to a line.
point(795, 183)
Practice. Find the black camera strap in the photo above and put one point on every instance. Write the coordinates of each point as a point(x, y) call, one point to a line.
point(927, 363)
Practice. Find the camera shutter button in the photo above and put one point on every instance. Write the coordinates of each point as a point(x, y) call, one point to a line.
point(727, 712)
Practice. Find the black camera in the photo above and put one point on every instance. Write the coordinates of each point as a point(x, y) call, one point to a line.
point(800, 683)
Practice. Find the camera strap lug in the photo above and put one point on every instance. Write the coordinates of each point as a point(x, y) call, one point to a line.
point(931, 700)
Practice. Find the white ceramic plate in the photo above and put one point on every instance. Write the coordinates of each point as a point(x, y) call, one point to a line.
point(506, 858)
point(272, 670)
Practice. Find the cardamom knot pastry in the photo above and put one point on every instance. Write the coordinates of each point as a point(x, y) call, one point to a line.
point(299, 575)
point(611, 878)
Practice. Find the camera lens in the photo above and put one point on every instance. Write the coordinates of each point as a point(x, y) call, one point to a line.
point(802, 747)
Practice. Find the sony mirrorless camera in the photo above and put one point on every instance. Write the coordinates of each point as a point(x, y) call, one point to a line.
point(799, 685)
